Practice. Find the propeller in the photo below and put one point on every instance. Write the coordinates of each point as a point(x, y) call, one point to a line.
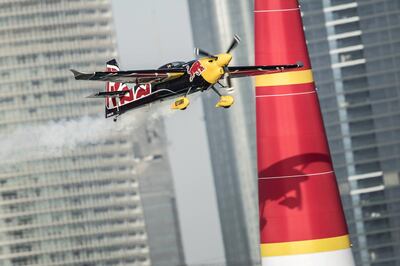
point(228, 79)
point(235, 42)
point(232, 46)
point(198, 51)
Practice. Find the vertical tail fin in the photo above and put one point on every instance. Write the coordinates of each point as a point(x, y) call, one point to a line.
point(113, 103)
point(111, 107)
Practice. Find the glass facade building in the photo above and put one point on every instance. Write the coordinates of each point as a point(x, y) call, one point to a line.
point(81, 205)
point(354, 47)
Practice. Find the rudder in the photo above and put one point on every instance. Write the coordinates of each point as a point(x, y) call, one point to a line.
point(112, 104)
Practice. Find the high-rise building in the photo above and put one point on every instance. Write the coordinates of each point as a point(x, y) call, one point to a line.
point(354, 47)
point(80, 204)
point(158, 195)
point(231, 133)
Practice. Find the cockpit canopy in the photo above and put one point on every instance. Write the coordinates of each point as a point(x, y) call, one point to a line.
point(173, 65)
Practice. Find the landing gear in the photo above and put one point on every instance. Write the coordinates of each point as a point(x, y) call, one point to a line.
point(180, 104)
point(222, 85)
point(225, 101)
point(115, 119)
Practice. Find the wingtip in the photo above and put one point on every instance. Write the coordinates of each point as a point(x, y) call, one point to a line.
point(81, 76)
point(91, 96)
point(76, 73)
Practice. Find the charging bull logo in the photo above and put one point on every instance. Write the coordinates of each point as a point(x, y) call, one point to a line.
point(195, 70)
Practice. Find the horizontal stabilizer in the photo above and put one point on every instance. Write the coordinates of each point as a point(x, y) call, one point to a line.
point(111, 94)
point(81, 76)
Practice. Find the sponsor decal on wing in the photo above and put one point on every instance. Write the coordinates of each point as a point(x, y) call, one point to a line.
point(142, 91)
point(132, 95)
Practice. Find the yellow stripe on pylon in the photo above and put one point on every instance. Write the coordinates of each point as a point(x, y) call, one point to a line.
point(304, 247)
point(285, 78)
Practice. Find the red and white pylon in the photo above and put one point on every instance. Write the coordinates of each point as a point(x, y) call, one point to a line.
point(301, 216)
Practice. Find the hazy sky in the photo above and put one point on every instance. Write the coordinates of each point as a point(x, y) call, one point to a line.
point(151, 33)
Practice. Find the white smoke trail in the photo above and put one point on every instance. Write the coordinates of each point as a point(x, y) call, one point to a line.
point(52, 138)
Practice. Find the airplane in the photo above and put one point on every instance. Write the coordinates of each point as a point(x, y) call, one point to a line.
point(173, 80)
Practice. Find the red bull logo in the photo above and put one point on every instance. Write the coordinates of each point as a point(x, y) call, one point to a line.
point(131, 95)
point(195, 70)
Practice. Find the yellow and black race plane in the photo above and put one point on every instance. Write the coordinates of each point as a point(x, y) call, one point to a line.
point(176, 79)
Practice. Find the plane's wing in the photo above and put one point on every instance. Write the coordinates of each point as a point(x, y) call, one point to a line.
point(246, 71)
point(132, 76)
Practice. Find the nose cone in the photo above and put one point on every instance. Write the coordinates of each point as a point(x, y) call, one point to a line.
point(224, 59)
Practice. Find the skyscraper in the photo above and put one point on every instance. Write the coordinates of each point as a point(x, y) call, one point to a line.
point(354, 47)
point(158, 195)
point(79, 204)
point(231, 133)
